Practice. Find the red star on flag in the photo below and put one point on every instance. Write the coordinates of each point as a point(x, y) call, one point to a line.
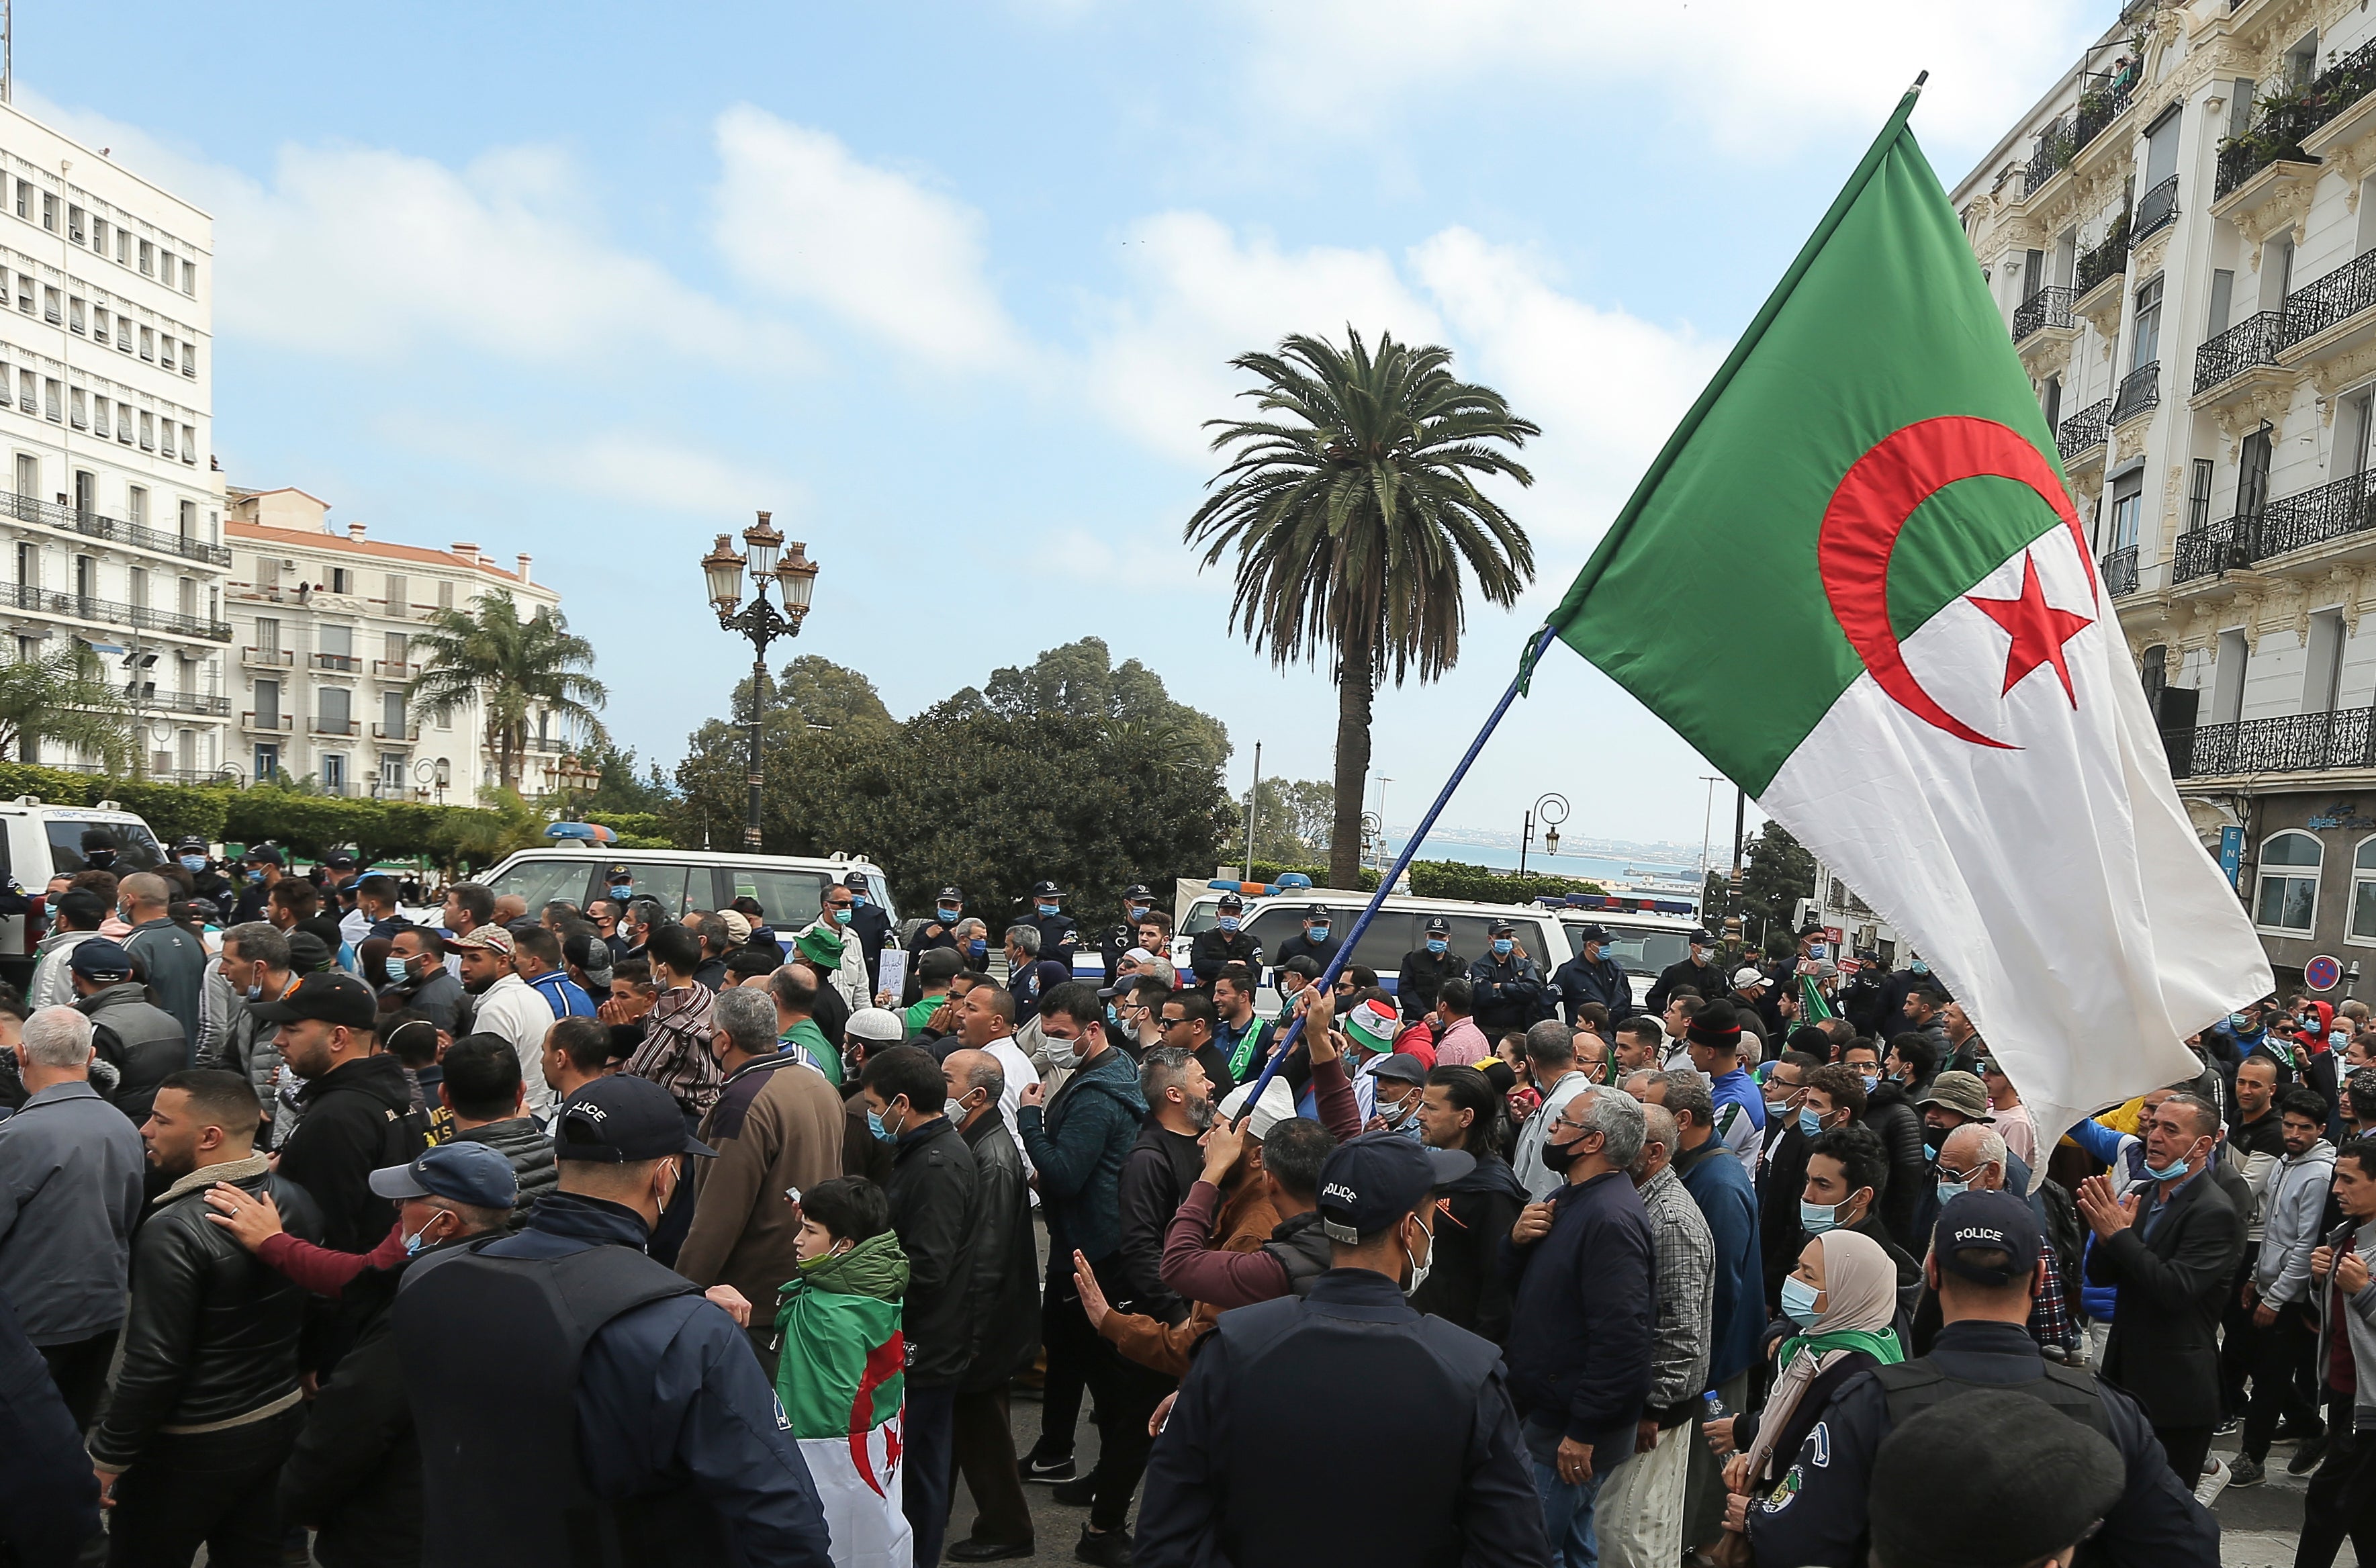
point(2038, 630)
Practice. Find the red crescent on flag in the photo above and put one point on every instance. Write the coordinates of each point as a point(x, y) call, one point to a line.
point(883, 1363)
point(1868, 510)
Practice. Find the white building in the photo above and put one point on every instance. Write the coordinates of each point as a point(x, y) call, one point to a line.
point(110, 515)
point(2185, 252)
point(325, 622)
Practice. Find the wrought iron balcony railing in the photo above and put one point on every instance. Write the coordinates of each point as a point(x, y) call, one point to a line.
point(2119, 570)
point(2330, 511)
point(91, 525)
point(2286, 117)
point(2062, 141)
point(343, 663)
point(2252, 341)
point(266, 658)
point(2139, 391)
point(2109, 259)
point(82, 607)
point(2298, 742)
point(2340, 295)
point(331, 726)
point(2084, 429)
point(268, 723)
point(2157, 209)
point(2048, 307)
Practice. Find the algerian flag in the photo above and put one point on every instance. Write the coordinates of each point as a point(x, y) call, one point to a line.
point(1856, 582)
point(841, 1378)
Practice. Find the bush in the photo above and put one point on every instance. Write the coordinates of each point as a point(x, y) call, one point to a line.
point(1450, 879)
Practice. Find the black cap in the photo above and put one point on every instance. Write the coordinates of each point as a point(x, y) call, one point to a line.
point(1700, 935)
point(1137, 890)
point(1438, 926)
point(1315, 911)
point(618, 873)
point(308, 954)
point(2027, 1483)
point(261, 855)
point(1593, 934)
point(1401, 1067)
point(1046, 890)
point(588, 951)
point(1987, 1222)
point(952, 895)
point(1502, 928)
point(189, 841)
point(1303, 964)
point(855, 882)
point(622, 1120)
point(1231, 902)
point(334, 997)
point(1374, 1180)
point(101, 961)
point(339, 861)
point(939, 964)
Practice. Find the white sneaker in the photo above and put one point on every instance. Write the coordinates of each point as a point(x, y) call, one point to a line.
point(2215, 1481)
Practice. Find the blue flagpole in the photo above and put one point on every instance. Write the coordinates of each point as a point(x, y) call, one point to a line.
point(1287, 1041)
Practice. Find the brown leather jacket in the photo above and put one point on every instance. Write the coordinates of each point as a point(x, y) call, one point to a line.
point(1247, 1218)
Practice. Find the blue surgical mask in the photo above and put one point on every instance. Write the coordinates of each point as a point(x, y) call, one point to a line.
point(1051, 909)
point(1138, 911)
point(255, 993)
point(841, 917)
point(1948, 1190)
point(874, 1126)
point(1818, 950)
point(1228, 922)
point(1871, 1081)
point(2237, 1022)
point(2338, 1038)
point(2170, 1172)
point(857, 900)
point(1436, 945)
point(413, 1243)
point(1816, 1218)
point(1920, 967)
point(1501, 946)
point(1319, 932)
point(1798, 1301)
point(976, 951)
point(948, 912)
point(622, 891)
point(1808, 1123)
point(1113, 1019)
point(194, 864)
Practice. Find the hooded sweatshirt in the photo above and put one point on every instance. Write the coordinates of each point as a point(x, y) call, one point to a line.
point(2296, 1202)
point(1464, 1284)
point(1078, 1142)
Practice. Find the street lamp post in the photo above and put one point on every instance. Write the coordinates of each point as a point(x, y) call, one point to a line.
point(434, 772)
point(1550, 811)
point(795, 577)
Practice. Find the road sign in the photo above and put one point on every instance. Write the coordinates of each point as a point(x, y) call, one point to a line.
point(2321, 973)
point(2231, 853)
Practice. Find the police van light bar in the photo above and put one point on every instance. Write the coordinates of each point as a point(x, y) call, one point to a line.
point(1609, 901)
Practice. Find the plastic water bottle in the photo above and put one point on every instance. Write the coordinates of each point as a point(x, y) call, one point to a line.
point(1716, 1410)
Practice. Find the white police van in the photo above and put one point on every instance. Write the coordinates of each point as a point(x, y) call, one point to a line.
point(788, 888)
point(38, 841)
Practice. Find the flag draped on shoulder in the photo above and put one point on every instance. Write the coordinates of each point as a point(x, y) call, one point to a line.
point(842, 1380)
point(1918, 672)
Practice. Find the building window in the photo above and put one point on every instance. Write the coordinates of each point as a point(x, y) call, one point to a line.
point(391, 716)
point(99, 235)
point(268, 635)
point(98, 416)
point(123, 423)
point(77, 409)
point(2286, 899)
point(54, 309)
point(147, 259)
point(165, 443)
point(444, 596)
point(136, 504)
point(29, 565)
point(137, 581)
point(399, 600)
point(2146, 335)
point(29, 392)
point(267, 577)
point(24, 198)
point(24, 294)
point(147, 342)
point(189, 443)
point(190, 279)
point(53, 401)
point(339, 578)
point(147, 432)
point(165, 353)
point(188, 520)
point(124, 246)
point(49, 211)
point(98, 325)
point(74, 312)
point(398, 648)
point(75, 224)
point(165, 268)
point(267, 762)
point(334, 773)
point(2363, 893)
point(189, 359)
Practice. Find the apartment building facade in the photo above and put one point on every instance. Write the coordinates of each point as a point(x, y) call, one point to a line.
point(2181, 240)
point(324, 621)
point(110, 512)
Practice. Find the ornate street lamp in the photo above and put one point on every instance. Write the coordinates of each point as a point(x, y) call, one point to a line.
point(794, 576)
point(1550, 811)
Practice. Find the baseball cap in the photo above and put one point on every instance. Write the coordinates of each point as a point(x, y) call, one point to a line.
point(1987, 1222)
point(189, 841)
point(494, 938)
point(622, 1120)
point(460, 1172)
point(334, 997)
point(1438, 926)
point(102, 961)
point(1593, 934)
point(855, 882)
point(339, 861)
point(308, 954)
point(1961, 1092)
point(1372, 1181)
point(588, 951)
point(1747, 976)
point(1137, 890)
point(1315, 911)
point(1403, 1067)
point(1231, 902)
point(952, 895)
point(879, 1023)
point(1502, 928)
point(1276, 1105)
point(261, 855)
point(2028, 1483)
point(1373, 1025)
point(1702, 935)
point(1046, 890)
point(1303, 964)
point(939, 964)
point(618, 873)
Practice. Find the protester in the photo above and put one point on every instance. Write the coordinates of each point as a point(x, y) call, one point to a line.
point(358, 1111)
point(577, 1052)
point(425, 986)
point(1188, 1020)
point(1551, 1064)
point(506, 1006)
point(2281, 1321)
point(1890, 1116)
point(488, 1104)
point(1244, 1041)
point(1030, 977)
point(256, 967)
point(1262, 1425)
point(1715, 1042)
point(1002, 1306)
point(1974, 1159)
point(171, 961)
point(2015, 1123)
point(139, 1040)
point(2337, 1504)
point(1461, 1109)
point(76, 916)
point(49, 1494)
point(675, 1050)
point(205, 1407)
point(1845, 1175)
point(70, 1198)
point(536, 959)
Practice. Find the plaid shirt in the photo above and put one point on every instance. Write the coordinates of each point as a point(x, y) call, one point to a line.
point(1685, 1277)
point(675, 1054)
point(2050, 1310)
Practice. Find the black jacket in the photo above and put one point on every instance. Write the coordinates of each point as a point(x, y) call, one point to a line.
point(1606, 982)
point(359, 1118)
point(1002, 1301)
point(1215, 950)
point(1706, 979)
point(140, 1040)
point(873, 929)
point(1463, 1278)
point(1510, 993)
point(1302, 947)
point(1579, 1344)
point(1155, 1175)
point(2164, 1343)
point(936, 1211)
point(527, 1146)
point(1779, 1237)
point(1422, 975)
point(48, 1499)
point(1898, 1126)
point(213, 1333)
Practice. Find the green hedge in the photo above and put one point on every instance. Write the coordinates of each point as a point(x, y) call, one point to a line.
point(1450, 879)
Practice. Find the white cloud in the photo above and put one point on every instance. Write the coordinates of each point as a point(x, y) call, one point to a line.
point(1160, 366)
point(1759, 75)
point(634, 465)
point(798, 215)
point(376, 255)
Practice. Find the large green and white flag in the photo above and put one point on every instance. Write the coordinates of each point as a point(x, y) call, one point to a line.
point(1909, 661)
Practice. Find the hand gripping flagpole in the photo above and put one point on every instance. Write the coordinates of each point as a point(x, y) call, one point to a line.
point(1287, 1041)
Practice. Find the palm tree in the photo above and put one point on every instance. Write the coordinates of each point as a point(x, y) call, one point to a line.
point(64, 697)
point(512, 668)
point(1351, 513)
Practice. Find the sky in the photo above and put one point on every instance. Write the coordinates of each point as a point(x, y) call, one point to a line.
point(950, 290)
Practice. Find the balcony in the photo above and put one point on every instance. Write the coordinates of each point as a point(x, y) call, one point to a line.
point(81, 606)
point(2084, 431)
point(90, 525)
point(266, 723)
point(2251, 342)
point(2109, 259)
point(2157, 209)
point(2047, 308)
point(2285, 118)
point(409, 732)
point(2333, 511)
point(336, 663)
point(2298, 742)
point(2120, 569)
point(342, 727)
point(2330, 302)
point(184, 702)
point(265, 658)
point(394, 670)
point(2140, 392)
point(2066, 138)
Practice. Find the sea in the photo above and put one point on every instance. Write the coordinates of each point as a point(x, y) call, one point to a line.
point(1622, 862)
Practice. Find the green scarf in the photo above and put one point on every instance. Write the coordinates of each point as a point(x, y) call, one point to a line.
point(1881, 1344)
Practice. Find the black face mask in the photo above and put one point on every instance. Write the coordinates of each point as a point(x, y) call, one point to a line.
point(1559, 1156)
point(1934, 1138)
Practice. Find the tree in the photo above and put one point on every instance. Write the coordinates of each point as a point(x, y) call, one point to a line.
point(66, 698)
point(820, 694)
point(513, 668)
point(1081, 680)
point(628, 785)
point(1780, 873)
point(1292, 820)
point(1350, 516)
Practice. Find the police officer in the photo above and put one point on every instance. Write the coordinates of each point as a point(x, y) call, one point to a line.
point(1259, 1430)
point(579, 1402)
point(870, 924)
point(206, 881)
point(1510, 991)
point(1059, 936)
point(1593, 975)
point(1136, 900)
point(941, 930)
point(1314, 942)
point(1426, 967)
point(1698, 971)
point(1984, 1263)
point(1224, 944)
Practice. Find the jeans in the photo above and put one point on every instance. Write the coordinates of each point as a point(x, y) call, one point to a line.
point(925, 1481)
point(79, 1368)
point(2275, 1356)
point(213, 1489)
point(985, 1454)
point(1568, 1508)
point(2342, 1498)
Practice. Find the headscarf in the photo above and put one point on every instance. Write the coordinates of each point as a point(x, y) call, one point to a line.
point(1859, 1306)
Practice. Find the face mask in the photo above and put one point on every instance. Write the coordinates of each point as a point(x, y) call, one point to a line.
point(1818, 949)
point(418, 1240)
point(1137, 912)
point(1951, 1189)
point(874, 1126)
point(1320, 934)
point(954, 1110)
point(2240, 1023)
point(1049, 909)
point(1699, 954)
point(1933, 1139)
point(1112, 1018)
point(255, 992)
point(949, 914)
point(1816, 1218)
point(1394, 1115)
point(1871, 1081)
point(1798, 1301)
point(841, 917)
point(976, 951)
point(2338, 1038)
point(1418, 1269)
point(1501, 946)
point(1062, 1052)
point(194, 864)
point(823, 1258)
point(1919, 967)
point(1437, 945)
point(1808, 1123)
point(622, 891)
point(2173, 1170)
point(1228, 922)
point(1559, 1156)
point(857, 900)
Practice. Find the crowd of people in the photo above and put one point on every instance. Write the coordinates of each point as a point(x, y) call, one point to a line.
point(643, 1235)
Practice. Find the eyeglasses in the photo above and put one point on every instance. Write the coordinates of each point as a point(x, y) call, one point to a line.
point(1965, 1177)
